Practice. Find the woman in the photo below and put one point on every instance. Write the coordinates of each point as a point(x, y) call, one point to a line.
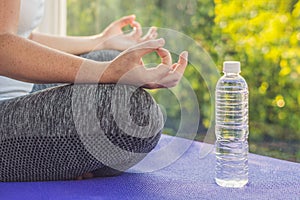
point(99, 126)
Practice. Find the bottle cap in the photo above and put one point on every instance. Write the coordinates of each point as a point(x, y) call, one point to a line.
point(231, 67)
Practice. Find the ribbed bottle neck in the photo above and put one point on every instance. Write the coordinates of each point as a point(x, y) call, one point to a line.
point(231, 74)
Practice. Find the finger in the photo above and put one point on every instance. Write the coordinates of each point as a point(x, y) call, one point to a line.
point(173, 78)
point(182, 63)
point(137, 30)
point(124, 21)
point(162, 70)
point(153, 86)
point(165, 56)
point(154, 35)
point(162, 77)
point(170, 80)
point(153, 30)
point(166, 82)
point(151, 34)
point(141, 62)
point(146, 47)
point(154, 75)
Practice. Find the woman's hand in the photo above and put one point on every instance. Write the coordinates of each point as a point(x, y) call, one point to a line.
point(128, 67)
point(113, 36)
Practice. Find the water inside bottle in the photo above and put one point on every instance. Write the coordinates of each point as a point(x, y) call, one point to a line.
point(231, 132)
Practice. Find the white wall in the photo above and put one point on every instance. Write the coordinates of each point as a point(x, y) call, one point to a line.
point(55, 18)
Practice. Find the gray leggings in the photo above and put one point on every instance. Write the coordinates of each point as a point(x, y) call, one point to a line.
point(62, 132)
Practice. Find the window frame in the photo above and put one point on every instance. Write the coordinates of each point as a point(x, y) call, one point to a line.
point(55, 18)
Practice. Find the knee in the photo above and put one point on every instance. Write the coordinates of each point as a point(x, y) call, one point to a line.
point(134, 116)
point(135, 126)
point(144, 111)
point(127, 126)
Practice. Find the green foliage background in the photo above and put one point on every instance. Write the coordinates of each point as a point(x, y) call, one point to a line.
point(264, 35)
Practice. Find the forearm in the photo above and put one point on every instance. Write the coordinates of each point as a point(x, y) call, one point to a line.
point(70, 44)
point(29, 61)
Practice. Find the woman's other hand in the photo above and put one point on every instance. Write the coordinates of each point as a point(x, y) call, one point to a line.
point(113, 37)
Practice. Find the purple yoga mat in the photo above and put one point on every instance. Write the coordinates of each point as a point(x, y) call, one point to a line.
point(189, 177)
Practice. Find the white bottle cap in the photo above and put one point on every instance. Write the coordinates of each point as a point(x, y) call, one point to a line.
point(231, 67)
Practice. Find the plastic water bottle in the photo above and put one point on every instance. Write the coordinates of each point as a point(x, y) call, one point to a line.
point(231, 127)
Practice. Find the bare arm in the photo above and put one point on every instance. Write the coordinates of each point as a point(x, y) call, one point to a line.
point(73, 45)
point(111, 38)
point(29, 61)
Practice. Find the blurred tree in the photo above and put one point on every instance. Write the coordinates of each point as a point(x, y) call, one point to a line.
point(264, 35)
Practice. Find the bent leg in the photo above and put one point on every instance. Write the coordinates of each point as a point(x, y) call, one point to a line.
point(64, 132)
